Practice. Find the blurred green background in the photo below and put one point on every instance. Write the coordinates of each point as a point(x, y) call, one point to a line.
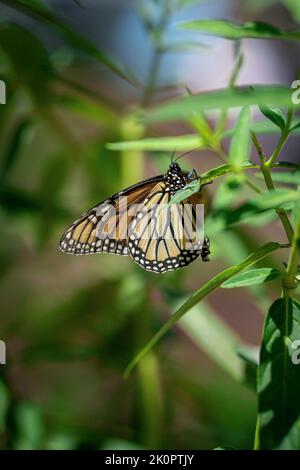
point(72, 324)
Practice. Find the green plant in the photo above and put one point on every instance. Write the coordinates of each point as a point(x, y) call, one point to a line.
point(91, 321)
point(278, 377)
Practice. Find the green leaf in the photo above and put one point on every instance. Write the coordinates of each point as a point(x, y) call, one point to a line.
point(275, 198)
point(255, 207)
point(230, 30)
point(240, 144)
point(290, 165)
point(45, 16)
point(274, 115)
point(249, 278)
point(201, 124)
point(184, 142)
point(225, 217)
point(206, 178)
point(201, 294)
point(188, 141)
point(184, 107)
point(295, 126)
point(186, 192)
point(284, 177)
point(279, 374)
point(221, 170)
point(234, 245)
point(228, 190)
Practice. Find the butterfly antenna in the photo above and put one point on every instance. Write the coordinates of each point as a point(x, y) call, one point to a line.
point(186, 153)
point(173, 156)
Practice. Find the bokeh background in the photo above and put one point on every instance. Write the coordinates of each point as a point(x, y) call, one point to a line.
point(72, 324)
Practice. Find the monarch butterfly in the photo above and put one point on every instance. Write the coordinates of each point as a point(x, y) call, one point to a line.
point(157, 249)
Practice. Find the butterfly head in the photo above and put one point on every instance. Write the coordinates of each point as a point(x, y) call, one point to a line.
point(174, 167)
point(175, 178)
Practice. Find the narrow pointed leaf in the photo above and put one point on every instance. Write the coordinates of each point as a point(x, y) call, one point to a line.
point(274, 115)
point(249, 278)
point(184, 107)
point(191, 188)
point(184, 142)
point(275, 198)
point(189, 141)
point(205, 178)
point(230, 30)
point(240, 143)
point(295, 126)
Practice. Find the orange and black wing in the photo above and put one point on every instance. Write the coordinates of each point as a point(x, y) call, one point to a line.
point(103, 229)
point(164, 237)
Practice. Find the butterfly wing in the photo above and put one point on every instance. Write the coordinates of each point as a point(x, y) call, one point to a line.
point(104, 227)
point(164, 238)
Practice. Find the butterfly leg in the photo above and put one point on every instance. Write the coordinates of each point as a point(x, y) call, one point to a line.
point(205, 249)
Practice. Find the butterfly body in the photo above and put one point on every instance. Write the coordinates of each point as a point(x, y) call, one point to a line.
point(139, 222)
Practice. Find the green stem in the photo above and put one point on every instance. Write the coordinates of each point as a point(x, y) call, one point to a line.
point(148, 377)
point(252, 185)
point(154, 69)
point(157, 56)
point(221, 124)
point(222, 121)
point(132, 161)
point(289, 280)
point(282, 140)
point(282, 214)
point(286, 223)
point(151, 403)
point(209, 176)
point(265, 168)
point(256, 436)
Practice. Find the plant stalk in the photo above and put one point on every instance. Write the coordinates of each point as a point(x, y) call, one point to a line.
point(282, 140)
point(265, 168)
point(289, 279)
point(157, 56)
